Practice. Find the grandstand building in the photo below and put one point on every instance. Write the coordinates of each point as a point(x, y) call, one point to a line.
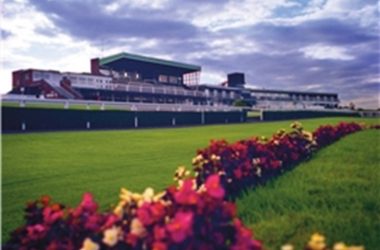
point(126, 77)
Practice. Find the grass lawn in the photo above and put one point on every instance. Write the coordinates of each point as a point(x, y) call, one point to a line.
point(67, 164)
point(336, 193)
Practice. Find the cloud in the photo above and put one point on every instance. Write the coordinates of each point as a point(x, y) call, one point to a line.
point(98, 24)
point(318, 45)
point(321, 52)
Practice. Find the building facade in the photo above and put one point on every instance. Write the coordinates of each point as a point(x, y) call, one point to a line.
point(126, 77)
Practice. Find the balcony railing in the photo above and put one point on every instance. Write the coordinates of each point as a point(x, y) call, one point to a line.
point(140, 87)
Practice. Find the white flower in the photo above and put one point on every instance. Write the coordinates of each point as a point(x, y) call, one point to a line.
point(111, 236)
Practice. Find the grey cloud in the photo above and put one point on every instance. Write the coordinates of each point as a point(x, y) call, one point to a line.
point(89, 21)
point(279, 64)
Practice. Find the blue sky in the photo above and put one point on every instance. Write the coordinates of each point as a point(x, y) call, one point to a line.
point(317, 45)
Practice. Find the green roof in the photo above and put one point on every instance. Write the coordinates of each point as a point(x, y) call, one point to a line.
point(109, 59)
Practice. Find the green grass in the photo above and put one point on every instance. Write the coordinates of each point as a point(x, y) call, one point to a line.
point(67, 164)
point(336, 193)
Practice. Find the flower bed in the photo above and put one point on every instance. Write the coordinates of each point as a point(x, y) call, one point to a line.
point(254, 161)
point(183, 217)
point(195, 213)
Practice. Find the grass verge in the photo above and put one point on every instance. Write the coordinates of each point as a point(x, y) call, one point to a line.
point(67, 164)
point(336, 193)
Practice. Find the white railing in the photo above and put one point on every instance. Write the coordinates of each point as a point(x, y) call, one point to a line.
point(136, 87)
point(25, 100)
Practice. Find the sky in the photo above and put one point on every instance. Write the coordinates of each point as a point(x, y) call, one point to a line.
point(316, 45)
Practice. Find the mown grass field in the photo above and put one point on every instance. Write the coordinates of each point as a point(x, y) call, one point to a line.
point(336, 193)
point(67, 164)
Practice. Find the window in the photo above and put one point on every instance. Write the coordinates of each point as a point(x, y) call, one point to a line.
point(173, 79)
point(162, 78)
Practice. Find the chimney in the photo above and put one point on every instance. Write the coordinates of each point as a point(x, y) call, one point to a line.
point(236, 80)
point(95, 66)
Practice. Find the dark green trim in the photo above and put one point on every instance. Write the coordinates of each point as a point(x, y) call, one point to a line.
point(108, 59)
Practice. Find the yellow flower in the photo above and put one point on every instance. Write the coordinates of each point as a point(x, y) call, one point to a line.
point(281, 132)
point(296, 125)
point(317, 242)
point(181, 173)
point(137, 228)
point(215, 157)
point(355, 248)
point(340, 246)
point(308, 136)
point(118, 210)
point(197, 159)
point(111, 236)
point(148, 194)
point(88, 244)
point(136, 197)
point(125, 195)
point(159, 196)
point(287, 247)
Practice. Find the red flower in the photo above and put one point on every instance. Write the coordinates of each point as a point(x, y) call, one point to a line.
point(92, 222)
point(51, 214)
point(36, 232)
point(186, 194)
point(159, 232)
point(148, 213)
point(238, 174)
point(158, 245)
point(88, 203)
point(213, 187)
point(45, 200)
point(180, 227)
point(111, 220)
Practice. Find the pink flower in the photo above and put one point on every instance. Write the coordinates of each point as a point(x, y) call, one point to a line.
point(213, 187)
point(181, 226)
point(238, 174)
point(111, 220)
point(51, 215)
point(158, 245)
point(36, 232)
point(149, 213)
point(92, 222)
point(186, 195)
point(88, 203)
point(159, 232)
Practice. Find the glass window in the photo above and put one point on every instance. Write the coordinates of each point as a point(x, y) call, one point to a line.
point(162, 78)
point(173, 79)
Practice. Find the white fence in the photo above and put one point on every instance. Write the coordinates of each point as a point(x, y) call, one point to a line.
point(26, 100)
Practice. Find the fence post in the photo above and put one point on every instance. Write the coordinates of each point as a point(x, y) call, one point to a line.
point(23, 126)
point(136, 121)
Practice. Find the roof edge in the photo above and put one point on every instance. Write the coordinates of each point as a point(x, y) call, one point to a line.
point(108, 59)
